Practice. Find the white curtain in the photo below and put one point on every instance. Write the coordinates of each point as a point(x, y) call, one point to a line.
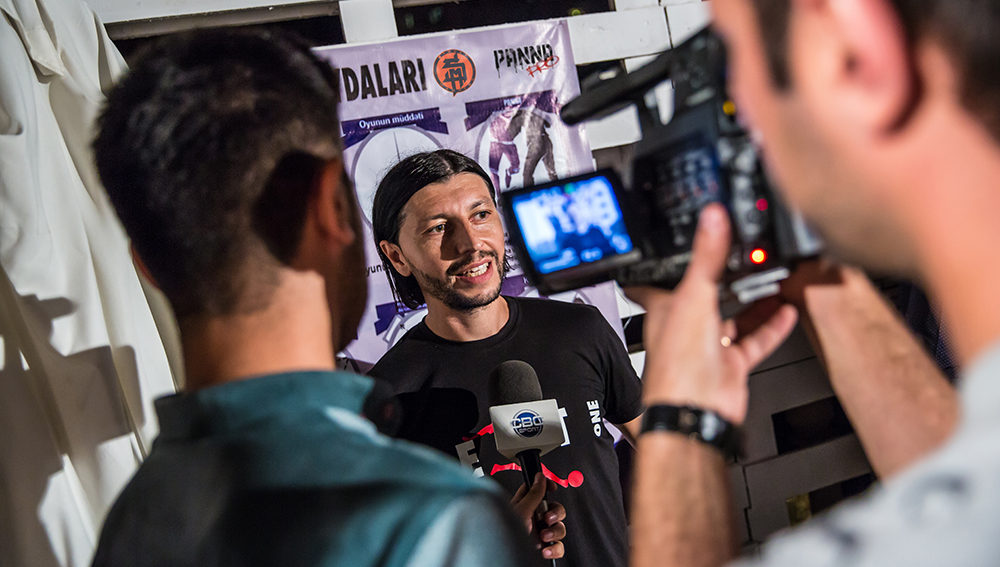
point(84, 345)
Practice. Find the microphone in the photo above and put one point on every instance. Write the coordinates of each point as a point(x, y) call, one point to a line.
point(525, 426)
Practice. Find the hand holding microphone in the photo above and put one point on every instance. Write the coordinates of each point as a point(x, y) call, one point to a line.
point(547, 525)
point(526, 427)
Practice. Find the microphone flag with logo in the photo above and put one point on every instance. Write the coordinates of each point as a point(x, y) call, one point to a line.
point(525, 426)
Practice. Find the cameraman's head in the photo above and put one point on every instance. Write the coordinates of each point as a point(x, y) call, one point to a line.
point(219, 150)
point(856, 99)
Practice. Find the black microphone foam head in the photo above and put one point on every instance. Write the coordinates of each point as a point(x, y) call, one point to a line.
point(514, 381)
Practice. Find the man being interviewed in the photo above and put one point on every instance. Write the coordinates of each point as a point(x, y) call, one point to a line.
point(441, 241)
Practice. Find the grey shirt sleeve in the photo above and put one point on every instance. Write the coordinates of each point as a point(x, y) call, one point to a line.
point(477, 530)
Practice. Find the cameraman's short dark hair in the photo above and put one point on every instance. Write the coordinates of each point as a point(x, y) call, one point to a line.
point(395, 190)
point(208, 148)
point(968, 29)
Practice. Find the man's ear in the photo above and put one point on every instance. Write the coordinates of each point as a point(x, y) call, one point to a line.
point(395, 255)
point(874, 73)
point(333, 206)
point(137, 260)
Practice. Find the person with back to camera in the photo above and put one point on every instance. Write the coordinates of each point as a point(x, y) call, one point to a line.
point(879, 121)
point(438, 230)
point(221, 154)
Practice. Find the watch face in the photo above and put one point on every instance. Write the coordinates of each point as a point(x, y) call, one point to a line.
point(703, 425)
point(711, 426)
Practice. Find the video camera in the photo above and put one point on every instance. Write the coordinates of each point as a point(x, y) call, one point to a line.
point(583, 230)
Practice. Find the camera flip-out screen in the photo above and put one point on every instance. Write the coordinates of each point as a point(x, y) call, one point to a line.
point(571, 232)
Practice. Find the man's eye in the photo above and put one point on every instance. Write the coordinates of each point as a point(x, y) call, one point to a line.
point(481, 215)
point(436, 228)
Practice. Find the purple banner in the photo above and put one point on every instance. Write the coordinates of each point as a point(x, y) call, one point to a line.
point(481, 111)
point(428, 119)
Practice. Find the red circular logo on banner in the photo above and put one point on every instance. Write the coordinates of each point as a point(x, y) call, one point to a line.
point(454, 71)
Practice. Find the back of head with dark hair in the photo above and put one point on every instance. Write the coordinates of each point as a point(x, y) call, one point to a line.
point(208, 148)
point(968, 29)
point(395, 190)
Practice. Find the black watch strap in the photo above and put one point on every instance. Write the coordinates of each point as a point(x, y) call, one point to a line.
point(703, 425)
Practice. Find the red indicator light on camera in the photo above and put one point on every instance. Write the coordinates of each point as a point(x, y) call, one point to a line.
point(758, 256)
point(761, 205)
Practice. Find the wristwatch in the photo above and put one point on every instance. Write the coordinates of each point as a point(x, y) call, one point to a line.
point(702, 425)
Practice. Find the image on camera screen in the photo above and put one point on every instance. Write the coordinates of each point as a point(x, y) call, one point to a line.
point(578, 222)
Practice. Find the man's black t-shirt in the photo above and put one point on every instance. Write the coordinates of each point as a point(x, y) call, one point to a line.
point(581, 363)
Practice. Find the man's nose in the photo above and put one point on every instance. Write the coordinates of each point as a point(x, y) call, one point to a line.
point(464, 239)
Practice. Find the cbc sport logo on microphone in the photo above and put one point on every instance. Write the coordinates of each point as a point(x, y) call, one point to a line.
point(527, 423)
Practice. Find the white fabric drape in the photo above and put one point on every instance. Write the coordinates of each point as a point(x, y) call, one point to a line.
point(81, 351)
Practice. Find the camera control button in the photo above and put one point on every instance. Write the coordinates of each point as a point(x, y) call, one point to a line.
point(746, 161)
point(742, 184)
point(726, 150)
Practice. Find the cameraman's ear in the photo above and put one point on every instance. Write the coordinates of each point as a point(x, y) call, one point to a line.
point(141, 266)
point(333, 206)
point(873, 72)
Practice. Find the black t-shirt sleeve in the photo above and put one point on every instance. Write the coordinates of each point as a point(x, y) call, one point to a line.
point(622, 387)
point(388, 368)
point(405, 365)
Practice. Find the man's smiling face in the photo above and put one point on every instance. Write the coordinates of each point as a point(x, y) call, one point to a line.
point(451, 240)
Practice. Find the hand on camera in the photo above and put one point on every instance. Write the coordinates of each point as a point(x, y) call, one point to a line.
point(693, 357)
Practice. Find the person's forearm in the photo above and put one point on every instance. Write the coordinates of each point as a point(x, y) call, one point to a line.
point(681, 512)
point(899, 402)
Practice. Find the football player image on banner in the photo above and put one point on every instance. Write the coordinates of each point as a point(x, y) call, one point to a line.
point(492, 94)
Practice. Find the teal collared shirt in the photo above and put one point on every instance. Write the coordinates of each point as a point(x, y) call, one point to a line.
point(284, 470)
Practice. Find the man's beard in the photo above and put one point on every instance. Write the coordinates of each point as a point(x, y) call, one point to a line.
point(446, 294)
